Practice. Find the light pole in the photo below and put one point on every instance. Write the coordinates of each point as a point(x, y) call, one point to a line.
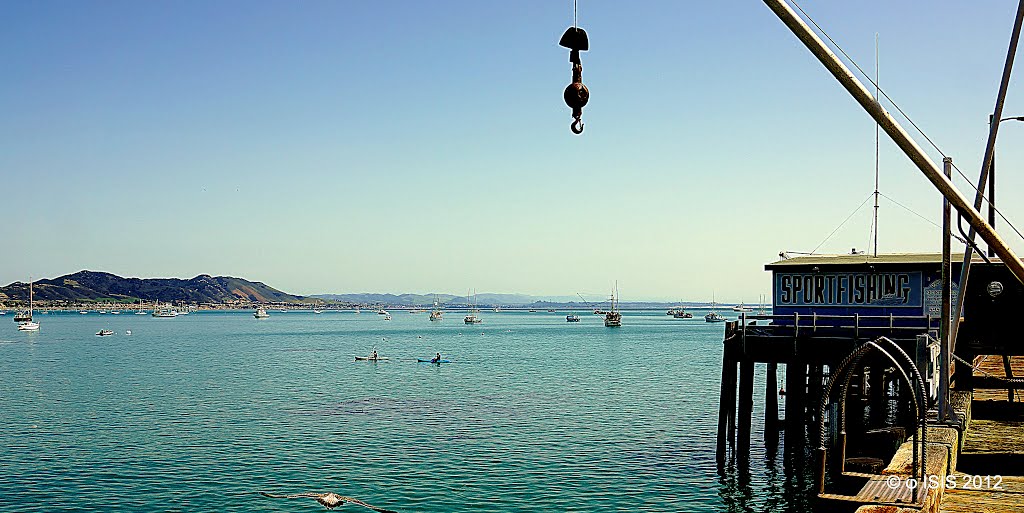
point(992, 181)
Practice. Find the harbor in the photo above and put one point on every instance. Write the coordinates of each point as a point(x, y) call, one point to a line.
point(787, 337)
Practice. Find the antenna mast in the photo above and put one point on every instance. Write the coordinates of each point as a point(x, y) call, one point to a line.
point(875, 222)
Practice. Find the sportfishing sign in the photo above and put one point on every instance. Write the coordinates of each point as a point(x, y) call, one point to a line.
point(849, 289)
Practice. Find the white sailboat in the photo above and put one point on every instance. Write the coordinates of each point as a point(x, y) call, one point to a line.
point(28, 324)
point(473, 317)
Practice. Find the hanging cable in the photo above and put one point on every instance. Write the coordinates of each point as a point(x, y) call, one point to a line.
point(815, 250)
point(933, 223)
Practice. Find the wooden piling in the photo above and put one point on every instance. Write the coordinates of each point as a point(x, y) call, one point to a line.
point(726, 406)
point(771, 406)
point(877, 396)
point(814, 377)
point(796, 382)
point(746, 404)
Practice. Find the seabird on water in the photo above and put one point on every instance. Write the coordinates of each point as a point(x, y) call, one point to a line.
point(329, 500)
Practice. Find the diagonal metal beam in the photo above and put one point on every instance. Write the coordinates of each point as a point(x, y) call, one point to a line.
point(986, 166)
point(898, 134)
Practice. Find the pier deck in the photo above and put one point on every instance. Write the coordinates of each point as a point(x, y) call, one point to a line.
point(992, 447)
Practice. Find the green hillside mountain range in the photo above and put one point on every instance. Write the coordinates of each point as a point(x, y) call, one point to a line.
point(85, 286)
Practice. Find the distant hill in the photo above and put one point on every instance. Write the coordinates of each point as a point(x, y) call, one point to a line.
point(418, 300)
point(99, 286)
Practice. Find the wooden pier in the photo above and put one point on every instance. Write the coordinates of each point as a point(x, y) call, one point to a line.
point(862, 384)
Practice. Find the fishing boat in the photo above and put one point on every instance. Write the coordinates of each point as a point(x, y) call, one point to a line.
point(261, 313)
point(27, 324)
point(436, 314)
point(166, 311)
point(713, 316)
point(472, 318)
point(742, 308)
point(612, 318)
point(681, 313)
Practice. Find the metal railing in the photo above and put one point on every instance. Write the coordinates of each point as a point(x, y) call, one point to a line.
point(856, 322)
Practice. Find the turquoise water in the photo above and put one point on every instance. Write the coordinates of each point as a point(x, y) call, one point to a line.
point(534, 414)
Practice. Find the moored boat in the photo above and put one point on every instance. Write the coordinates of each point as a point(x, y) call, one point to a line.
point(472, 317)
point(24, 319)
point(612, 318)
point(436, 314)
point(166, 311)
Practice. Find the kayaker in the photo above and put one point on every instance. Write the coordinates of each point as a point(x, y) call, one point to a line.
point(374, 355)
point(437, 358)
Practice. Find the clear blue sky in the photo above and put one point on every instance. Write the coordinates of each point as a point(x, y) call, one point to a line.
point(342, 146)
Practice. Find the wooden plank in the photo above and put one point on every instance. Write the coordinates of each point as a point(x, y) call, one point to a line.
point(994, 436)
point(1010, 497)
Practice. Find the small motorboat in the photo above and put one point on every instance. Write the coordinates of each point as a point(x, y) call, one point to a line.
point(104, 333)
point(572, 318)
point(28, 326)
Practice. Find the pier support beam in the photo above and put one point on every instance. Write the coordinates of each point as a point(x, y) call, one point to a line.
point(726, 406)
point(771, 406)
point(796, 383)
point(746, 403)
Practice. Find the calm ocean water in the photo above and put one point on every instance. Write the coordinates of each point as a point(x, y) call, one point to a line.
point(199, 412)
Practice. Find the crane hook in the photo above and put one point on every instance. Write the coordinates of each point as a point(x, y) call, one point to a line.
point(577, 126)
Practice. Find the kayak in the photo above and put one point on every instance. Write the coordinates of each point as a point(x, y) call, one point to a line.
point(421, 360)
point(367, 358)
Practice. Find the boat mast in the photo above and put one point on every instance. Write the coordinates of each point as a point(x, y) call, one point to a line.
point(899, 135)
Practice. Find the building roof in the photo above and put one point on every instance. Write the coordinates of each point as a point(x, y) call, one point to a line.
point(865, 259)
